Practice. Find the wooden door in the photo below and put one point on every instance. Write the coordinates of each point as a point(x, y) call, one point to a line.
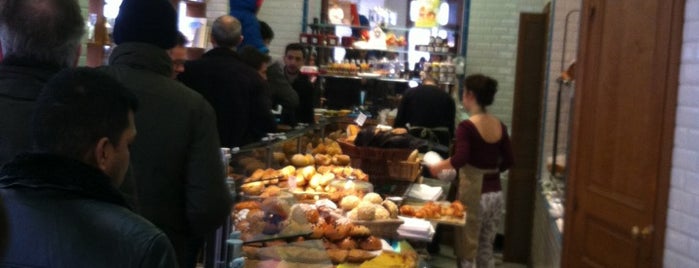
point(526, 130)
point(622, 134)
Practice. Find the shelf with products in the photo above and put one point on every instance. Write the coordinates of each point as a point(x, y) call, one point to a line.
point(385, 28)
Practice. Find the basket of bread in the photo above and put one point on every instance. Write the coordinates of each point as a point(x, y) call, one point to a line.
point(379, 216)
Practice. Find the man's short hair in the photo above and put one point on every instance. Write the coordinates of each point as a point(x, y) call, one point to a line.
point(76, 108)
point(47, 31)
point(295, 46)
point(181, 40)
point(227, 31)
point(266, 31)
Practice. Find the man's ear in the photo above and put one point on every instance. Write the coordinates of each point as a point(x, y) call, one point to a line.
point(101, 153)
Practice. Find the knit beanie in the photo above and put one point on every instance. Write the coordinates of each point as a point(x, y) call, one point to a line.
point(146, 21)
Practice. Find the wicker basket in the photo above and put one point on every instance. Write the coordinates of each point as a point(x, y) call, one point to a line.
point(404, 170)
point(382, 228)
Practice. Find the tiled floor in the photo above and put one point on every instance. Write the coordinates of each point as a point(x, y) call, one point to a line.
point(446, 259)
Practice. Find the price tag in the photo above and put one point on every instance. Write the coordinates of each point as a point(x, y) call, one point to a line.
point(361, 118)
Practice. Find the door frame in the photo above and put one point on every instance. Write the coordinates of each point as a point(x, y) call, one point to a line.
point(672, 39)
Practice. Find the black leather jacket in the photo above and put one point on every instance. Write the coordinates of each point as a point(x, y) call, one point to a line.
point(59, 212)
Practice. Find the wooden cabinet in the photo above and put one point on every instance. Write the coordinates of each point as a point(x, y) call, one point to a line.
point(623, 127)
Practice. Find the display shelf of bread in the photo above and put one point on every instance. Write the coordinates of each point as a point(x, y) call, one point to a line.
point(340, 238)
point(269, 219)
point(453, 213)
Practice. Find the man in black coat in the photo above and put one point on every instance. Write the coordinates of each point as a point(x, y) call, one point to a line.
point(176, 160)
point(234, 89)
point(294, 58)
point(38, 39)
point(428, 112)
point(60, 203)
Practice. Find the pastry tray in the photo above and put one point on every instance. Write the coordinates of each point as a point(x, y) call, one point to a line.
point(264, 238)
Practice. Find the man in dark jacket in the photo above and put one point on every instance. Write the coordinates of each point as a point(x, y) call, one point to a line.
point(61, 202)
point(427, 112)
point(235, 90)
point(294, 58)
point(177, 167)
point(38, 39)
point(281, 91)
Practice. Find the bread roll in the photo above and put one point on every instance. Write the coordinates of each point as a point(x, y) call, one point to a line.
point(373, 198)
point(341, 159)
point(349, 202)
point(371, 243)
point(299, 160)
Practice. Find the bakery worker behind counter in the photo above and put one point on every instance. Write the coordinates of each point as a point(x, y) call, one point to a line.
point(428, 113)
point(294, 58)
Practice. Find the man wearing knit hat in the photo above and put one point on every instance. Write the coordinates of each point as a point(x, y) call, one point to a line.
point(176, 166)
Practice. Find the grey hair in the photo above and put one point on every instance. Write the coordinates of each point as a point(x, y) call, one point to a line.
point(48, 31)
point(226, 31)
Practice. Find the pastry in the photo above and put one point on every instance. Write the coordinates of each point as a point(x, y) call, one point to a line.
point(247, 205)
point(371, 243)
point(349, 202)
point(358, 255)
point(381, 213)
point(338, 255)
point(312, 216)
point(407, 210)
point(365, 213)
point(329, 245)
point(347, 243)
point(391, 207)
point(299, 160)
point(341, 160)
point(253, 188)
point(339, 232)
point(322, 159)
point(287, 171)
point(373, 198)
point(257, 175)
point(271, 191)
point(317, 232)
point(360, 231)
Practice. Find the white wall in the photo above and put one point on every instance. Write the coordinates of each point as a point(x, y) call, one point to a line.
point(682, 236)
point(561, 10)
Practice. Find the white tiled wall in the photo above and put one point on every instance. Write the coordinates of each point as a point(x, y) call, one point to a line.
point(492, 46)
point(682, 237)
point(284, 16)
point(557, 64)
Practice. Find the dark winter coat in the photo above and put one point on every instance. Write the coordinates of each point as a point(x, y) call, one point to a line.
point(20, 84)
point(175, 159)
point(237, 93)
point(59, 212)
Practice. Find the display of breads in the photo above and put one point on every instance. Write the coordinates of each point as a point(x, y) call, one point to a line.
point(272, 216)
point(432, 210)
point(342, 240)
point(368, 208)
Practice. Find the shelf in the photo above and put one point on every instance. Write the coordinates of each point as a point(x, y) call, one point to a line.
point(386, 79)
point(387, 29)
point(402, 51)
